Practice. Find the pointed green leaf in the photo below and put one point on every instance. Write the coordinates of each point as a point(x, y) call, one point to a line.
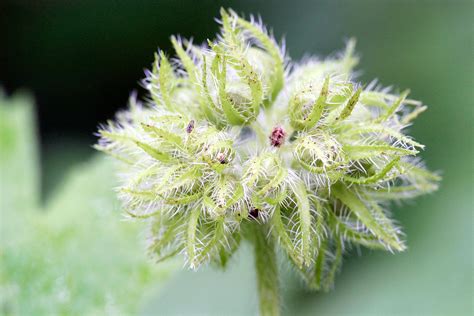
point(280, 233)
point(394, 107)
point(164, 135)
point(191, 241)
point(351, 103)
point(165, 77)
point(303, 210)
point(270, 46)
point(376, 177)
point(188, 63)
point(359, 209)
point(153, 152)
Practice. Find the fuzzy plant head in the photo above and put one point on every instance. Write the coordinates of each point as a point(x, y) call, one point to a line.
point(237, 140)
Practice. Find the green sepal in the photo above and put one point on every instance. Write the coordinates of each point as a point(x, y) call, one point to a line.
point(191, 231)
point(305, 220)
point(280, 233)
point(360, 210)
point(165, 77)
point(188, 63)
point(394, 107)
point(380, 176)
point(154, 153)
point(278, 73)
point(163, 135)
point(298, 119)
point(357, 152)
point(351, 103)
point(218, 69)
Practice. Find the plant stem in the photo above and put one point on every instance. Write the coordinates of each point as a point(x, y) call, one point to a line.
point(267, 273)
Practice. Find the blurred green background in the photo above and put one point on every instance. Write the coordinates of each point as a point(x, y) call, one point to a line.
point(64, 248)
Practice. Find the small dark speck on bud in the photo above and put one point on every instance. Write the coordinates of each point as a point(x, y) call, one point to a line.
point(190, 127)
point(277, 138)
point(253, 214)
point(221, 158)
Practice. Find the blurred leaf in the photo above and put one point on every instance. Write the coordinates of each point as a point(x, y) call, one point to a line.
point(19, 165)
point(75, 256)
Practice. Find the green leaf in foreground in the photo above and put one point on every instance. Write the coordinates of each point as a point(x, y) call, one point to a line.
point(74, 256)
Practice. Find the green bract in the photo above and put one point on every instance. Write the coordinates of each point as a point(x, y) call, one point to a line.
point(239, 141)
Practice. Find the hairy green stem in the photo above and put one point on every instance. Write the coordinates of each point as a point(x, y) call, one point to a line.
point(267, 273)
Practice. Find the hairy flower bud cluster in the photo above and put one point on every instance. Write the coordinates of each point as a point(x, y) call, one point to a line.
point(235, 135)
